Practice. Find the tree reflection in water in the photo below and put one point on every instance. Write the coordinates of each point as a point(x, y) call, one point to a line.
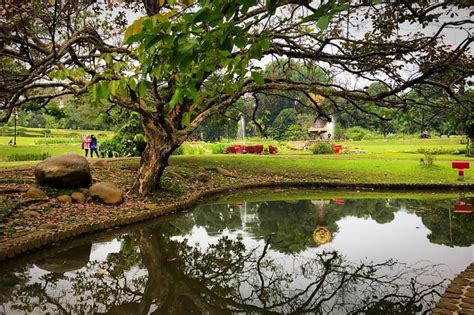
point(157, 273)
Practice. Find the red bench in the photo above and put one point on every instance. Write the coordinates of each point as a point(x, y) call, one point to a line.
point(256, 149)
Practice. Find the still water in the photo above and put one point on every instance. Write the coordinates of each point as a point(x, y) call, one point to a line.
point(324, 256)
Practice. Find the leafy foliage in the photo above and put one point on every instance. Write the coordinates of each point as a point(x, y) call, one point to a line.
point(322, 149)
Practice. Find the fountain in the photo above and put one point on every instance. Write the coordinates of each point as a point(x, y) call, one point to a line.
point(322, 129)
point(241, 129)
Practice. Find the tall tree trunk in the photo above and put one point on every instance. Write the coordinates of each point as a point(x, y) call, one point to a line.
point(154, 159)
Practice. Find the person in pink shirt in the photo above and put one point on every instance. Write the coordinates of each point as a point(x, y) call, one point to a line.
point(86, 144)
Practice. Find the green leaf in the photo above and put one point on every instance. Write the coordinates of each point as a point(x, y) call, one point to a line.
point(142, 88)
point(192, 93)
point(202, 15)
point(80, 72)
point(342, 7)
point(270, 5)
point(177, 98)
point(151, 42)
point(186, 120)
point(148, 24)
point(248, 3)
point(258, 78)
point(241, 41)
point(265, 44)
point(113, 86)
point(133, 29)
point(60, 74)
point(102, 90)
point(132, 83)
point(323, 22)
point(107, 58)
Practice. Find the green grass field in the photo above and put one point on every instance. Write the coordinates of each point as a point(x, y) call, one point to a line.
point(312, 167)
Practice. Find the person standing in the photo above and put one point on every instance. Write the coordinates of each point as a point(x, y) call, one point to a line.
point(93, 146)
point(86, 144)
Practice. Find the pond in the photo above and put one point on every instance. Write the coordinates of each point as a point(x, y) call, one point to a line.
point(327, 253)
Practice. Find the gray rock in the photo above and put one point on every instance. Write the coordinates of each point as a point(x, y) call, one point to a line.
point(107, 192)
point(35, 193)
point(65, 171)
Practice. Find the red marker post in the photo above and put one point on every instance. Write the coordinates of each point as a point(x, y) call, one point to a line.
point(461, 166)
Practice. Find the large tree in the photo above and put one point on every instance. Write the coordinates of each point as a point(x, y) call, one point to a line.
point(183, 61)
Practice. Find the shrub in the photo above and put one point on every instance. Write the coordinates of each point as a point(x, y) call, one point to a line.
point(356, 133)
point(427, 160)
point(217, 148)
point(193, 149)
point(28, 157)
point(322, 149)
point(123, 145)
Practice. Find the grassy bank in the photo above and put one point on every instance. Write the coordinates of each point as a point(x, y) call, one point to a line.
point(311, 167)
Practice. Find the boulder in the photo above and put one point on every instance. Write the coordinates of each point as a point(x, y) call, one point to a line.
point(35, 193)
point(78, 197)
point(64, 199)
point(107, 192)
point(64, 171)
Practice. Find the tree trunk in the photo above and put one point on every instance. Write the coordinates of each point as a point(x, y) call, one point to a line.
point(154, 159)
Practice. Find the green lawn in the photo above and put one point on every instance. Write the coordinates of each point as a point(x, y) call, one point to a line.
point(312, 167)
